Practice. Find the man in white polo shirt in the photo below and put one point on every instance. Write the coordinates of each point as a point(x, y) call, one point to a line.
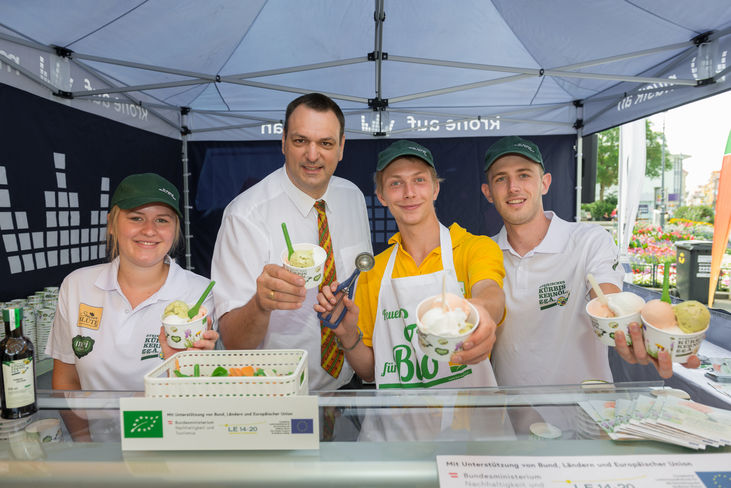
point(260, 304)
point(547, 337)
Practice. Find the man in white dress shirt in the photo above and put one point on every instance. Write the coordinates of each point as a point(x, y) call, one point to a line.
point(259, 304)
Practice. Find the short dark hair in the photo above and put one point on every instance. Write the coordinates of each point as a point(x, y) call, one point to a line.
point(319, 103)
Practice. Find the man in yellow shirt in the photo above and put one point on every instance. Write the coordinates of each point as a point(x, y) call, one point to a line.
point(378, 334)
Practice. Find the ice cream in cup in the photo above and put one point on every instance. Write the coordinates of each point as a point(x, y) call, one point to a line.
point(181, 332)
point(47, 430)
point(678, 329)
point(442, 330)
point(621, 310)
point(307, 261)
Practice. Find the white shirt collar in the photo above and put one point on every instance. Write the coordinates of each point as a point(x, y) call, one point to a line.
point(553, 242)
point(302, 201)
point(107, 280)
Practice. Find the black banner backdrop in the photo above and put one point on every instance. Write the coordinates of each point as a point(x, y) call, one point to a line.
point(221, 170)
point(58, 168)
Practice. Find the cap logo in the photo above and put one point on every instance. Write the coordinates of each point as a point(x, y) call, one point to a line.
point(526, 146)
point(165, 190)
point(422, 151)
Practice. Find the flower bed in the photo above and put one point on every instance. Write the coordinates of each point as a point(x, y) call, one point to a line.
point(652, 247)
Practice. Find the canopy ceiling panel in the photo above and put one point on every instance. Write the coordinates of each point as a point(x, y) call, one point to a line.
point(468, 68)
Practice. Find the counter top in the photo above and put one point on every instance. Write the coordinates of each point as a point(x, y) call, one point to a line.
point(490, 421)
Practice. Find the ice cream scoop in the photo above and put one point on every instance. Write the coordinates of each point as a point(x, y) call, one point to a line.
point(302, 258)
point(692, 316)
point(659, 314)
point(178, 308)
point(618, 305)
point(624, 303)
point(445, 323)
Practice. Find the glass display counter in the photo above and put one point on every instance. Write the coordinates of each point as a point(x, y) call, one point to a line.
point(369, 438)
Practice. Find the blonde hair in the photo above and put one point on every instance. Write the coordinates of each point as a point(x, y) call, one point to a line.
point(113, 242)
point(378, 176)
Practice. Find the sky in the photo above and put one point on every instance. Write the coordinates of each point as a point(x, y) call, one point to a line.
point(700, 130)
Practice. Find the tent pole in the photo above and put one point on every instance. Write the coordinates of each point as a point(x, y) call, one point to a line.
point(184, 131)
point(579, 157)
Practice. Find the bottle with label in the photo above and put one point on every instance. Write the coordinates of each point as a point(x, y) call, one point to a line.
point(18, 371)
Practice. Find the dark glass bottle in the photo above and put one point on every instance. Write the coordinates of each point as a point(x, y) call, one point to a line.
point(18, 371)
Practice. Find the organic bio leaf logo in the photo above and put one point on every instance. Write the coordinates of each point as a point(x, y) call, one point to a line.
point(143, 423)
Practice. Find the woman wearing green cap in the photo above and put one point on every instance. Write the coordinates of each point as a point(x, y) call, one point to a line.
point(107, 331)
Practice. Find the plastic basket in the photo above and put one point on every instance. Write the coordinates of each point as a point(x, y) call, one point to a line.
point(286, 375)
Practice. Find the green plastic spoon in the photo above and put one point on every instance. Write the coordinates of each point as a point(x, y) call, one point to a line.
point(290, 249)
point(193, 311)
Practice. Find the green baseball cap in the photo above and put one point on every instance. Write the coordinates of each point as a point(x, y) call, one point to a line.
point(403, 148)
point(513, 145)
point(141, 189)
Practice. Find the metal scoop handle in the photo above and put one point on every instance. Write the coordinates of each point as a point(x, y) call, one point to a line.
point(339, 310)
point(363, 262)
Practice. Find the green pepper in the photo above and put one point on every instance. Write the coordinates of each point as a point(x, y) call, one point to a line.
point(179, 374)
point(220, 371)
point(196, 370)
point(259, 372)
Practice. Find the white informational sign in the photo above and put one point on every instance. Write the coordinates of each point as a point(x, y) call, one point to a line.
point(184, 424)
point(636, 471)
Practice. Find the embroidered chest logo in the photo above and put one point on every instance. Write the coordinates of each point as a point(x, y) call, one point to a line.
point(151, 348)
point(89, 317)
point(552, 294)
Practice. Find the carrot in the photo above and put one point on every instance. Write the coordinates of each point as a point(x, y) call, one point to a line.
point(247, 371)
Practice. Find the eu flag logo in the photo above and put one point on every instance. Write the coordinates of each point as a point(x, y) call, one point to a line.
point(717, 479)
point(302, 426)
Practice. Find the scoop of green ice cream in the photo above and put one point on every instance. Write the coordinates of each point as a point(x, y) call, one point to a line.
point(178, 308)
point(692, 316)
point(302, 259)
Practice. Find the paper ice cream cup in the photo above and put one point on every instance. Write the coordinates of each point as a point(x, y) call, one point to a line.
point(313, 274)
point(47, 430)
point(440, 347)
point(184, 335)
point(679, 344)
point(606, 327)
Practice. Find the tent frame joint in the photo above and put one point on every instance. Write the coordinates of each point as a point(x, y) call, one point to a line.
point(63, 94)
point(373, 55)
point(63, 52)
point(184, 110)
point(579, 124)
point(184, 130)
point(378, 103)
point(701, 38)
point(707, 81)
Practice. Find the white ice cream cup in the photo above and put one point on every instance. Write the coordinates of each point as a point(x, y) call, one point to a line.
point(313, 274)
point(47, 430)
point(680, 345)
point(441, 347)
point(606, 327)
point(183, 335)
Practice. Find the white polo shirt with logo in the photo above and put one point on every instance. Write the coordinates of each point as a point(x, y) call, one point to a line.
point(115, 344)
point(547, 338)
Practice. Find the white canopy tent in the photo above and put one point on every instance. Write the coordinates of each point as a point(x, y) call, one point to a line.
point(436, 68)
point(226, 69)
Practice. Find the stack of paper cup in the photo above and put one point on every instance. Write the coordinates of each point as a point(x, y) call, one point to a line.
point(51, 296)
point(44, 321)
point(29, 321)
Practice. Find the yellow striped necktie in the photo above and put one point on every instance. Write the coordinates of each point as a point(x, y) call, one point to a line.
point(331, 357)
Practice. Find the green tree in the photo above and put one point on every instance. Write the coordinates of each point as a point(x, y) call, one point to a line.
point(607, 170)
